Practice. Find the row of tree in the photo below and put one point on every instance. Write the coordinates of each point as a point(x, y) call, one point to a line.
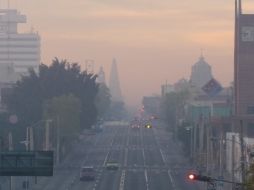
point(60, 90)
point(172, 106)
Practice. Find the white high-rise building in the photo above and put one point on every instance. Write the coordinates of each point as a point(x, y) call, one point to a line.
point(19, 52)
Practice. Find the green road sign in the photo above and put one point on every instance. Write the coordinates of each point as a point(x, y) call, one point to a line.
point(29, 163)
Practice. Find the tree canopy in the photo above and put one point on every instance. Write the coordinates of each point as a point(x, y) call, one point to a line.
point(103, 99)
point(59, 78)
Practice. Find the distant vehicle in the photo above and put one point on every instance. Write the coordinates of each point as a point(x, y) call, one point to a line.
point(148, 126)
point(135, 126)
point(87, 173)
point(112, 165)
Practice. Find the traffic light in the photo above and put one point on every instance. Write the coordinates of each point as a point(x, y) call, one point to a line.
point(199, 177)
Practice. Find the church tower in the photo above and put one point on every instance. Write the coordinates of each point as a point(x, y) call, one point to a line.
point(114, 84)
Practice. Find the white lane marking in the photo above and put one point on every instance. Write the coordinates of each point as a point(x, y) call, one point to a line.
point(122, 180)
point(128, 140)
point(143, 153)
point(171, 179)
point(111, 144)
point(126, 157)
point(146, 176)
point(142, 138)
point(162, 155)
point(106, 158)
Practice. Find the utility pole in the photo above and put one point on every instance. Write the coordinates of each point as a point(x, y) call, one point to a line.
point(242, 154)
point(2, 143)
point(47, 135)
point(207, 149)
point(31, 139)
point(233, 162)
point(10, 149)
point(195, 143)
point(57, 140)
point(191, 143)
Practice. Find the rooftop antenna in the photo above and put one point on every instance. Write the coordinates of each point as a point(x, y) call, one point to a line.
point(240, 7)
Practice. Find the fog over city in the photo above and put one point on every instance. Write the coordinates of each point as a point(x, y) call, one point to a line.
point(126, 94)
point(153, 41)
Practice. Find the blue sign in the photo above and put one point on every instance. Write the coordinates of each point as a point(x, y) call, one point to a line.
point(28, 163)
point(212, 88)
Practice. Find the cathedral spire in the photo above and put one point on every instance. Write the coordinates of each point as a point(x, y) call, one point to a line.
point(114, 84)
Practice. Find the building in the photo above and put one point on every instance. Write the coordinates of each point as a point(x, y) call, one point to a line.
point(166, 89)
point(114, 84)
point(152, 104)
point(19, 52)
point(201, 73)
point(244, 67)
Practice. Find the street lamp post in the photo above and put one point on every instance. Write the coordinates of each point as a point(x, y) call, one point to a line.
point(1, 143)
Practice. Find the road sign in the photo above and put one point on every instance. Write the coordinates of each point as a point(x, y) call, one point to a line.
point(29, 163)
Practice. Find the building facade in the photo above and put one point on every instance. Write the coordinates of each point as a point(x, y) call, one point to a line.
point(201, 73)
point(19, 52)
point(244, 63)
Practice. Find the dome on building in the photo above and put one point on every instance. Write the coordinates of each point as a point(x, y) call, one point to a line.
point(201, 73)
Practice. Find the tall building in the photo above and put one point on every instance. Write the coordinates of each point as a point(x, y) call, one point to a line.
point(201, 73)
point(19, 52)
point(114, 84)
point(244, 62)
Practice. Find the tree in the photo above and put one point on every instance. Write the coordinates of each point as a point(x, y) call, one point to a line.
point(60, 78)
point(25, 99)
point(102, 100)
point(66, 108)
point(172, 108)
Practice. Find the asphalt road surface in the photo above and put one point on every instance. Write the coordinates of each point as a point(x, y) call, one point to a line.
point(148, 160)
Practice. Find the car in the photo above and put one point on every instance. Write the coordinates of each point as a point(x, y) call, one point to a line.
point(112, 165)
point(135, 126)
point(87, 173)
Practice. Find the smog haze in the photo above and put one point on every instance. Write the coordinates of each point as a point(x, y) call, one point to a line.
point(152, 41)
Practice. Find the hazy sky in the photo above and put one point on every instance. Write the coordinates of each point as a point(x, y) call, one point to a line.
point(152, 40)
